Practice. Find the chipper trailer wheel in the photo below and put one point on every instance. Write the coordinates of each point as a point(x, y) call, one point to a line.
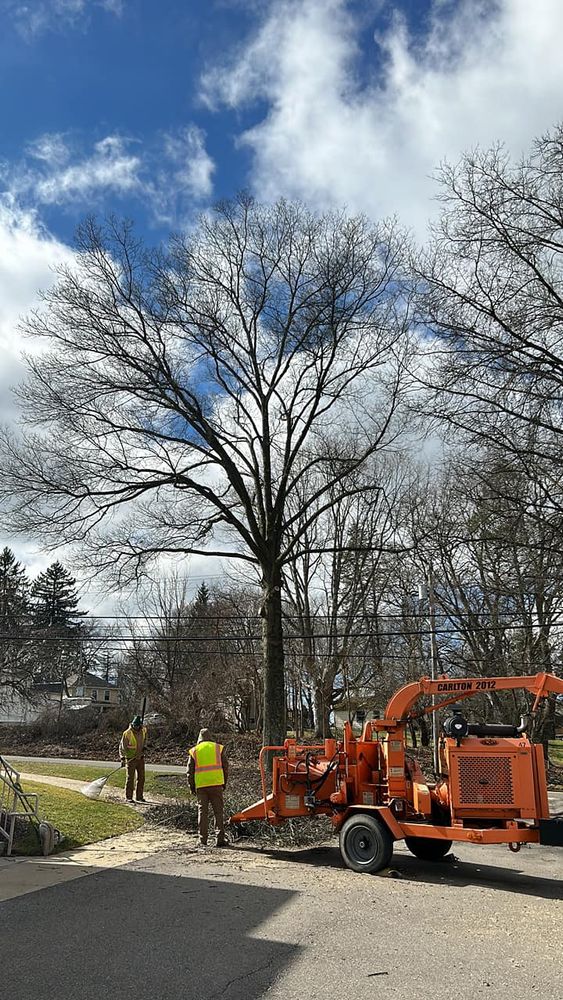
point(427, 848)
point(365, 843)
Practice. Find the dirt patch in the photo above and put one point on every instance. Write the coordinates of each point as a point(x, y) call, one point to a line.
point(14, 740)
point(163, 747)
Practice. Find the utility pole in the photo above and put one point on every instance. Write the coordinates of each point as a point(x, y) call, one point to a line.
point(427, 591)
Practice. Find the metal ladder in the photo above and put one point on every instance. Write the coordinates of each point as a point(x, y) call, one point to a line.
point(14, 804)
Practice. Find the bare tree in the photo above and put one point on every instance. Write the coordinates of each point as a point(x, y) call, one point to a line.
point(338, 589)
point(175, 393)
point(497, 563)
point(492, 292)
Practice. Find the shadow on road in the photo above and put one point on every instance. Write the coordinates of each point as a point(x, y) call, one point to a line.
point(448, 872)
point(135, 934)
point(463, 873)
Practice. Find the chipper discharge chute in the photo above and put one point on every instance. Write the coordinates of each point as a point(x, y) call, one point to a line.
point(491, 788)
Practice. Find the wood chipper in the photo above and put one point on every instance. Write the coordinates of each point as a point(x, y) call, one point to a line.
point(491, 788)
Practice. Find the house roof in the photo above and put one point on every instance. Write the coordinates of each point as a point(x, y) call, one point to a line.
point(94, 680)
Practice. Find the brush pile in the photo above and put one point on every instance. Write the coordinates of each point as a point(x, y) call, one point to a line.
point(244, 788)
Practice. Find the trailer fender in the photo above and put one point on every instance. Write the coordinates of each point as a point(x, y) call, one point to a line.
point(383, 812)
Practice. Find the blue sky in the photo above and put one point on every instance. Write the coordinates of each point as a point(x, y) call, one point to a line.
point(156, 109)
point(119, 83)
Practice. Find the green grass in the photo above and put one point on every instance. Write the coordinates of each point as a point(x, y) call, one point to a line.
point(80, 820)
point(172, 785)
point(556, 752)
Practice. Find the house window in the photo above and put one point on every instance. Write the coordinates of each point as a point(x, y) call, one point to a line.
point(94, 694)
point(106, 695)
point(80, 691)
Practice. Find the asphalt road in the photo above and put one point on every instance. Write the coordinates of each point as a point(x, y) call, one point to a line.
point(292, 925)
point(161, 768)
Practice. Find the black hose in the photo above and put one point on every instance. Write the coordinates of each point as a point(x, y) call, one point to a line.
point(493, 729)
point(313, 786)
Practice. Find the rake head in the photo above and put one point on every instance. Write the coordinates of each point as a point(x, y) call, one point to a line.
point(94, 789)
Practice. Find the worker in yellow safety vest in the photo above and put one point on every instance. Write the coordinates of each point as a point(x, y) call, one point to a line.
point(132, 754)
point(208, 771)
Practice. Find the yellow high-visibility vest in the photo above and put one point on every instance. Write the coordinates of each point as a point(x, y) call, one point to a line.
point(207, 760)
point(130, 742)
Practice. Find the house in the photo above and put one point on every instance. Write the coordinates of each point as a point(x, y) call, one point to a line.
point(93, 688)
point(357, 710)
point(15, 710)
point(79, 691)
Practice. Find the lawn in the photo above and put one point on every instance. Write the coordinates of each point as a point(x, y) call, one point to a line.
point(556, 752)
point(81, 820)
point(174, 786)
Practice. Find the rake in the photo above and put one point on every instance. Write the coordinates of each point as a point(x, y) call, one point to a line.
point(94, 789)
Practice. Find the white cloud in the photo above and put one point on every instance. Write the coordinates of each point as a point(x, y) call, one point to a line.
point(110, 168)
point(49, 148)
point(483, 72)
point(58, 175)
point(35, 17)
point(113, 6)
point(194, 167)
point(170, 174)
point(29, 256)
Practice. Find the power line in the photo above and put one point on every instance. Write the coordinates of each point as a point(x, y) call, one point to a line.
point(151, 637)
point(366, 616)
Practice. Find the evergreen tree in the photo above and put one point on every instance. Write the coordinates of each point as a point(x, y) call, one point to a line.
point(57, 624)
point(203, 597)
point(55, 601)
point(15, 649)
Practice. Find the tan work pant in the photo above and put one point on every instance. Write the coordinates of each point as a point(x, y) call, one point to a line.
point(213, 795)
point(135, 767)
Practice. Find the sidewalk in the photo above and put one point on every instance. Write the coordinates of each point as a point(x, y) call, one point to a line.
point(20, 876)
point(109, 793)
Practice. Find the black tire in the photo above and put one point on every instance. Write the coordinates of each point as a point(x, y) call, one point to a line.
point(427, 848)
point(365, 843)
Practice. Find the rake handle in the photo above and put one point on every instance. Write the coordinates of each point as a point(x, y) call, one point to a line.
point(113, 772)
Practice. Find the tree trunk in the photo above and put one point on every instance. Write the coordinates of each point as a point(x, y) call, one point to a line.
point(424, 731)
point(543, 724)
point(274, 722)
point(323, 707)
point(309, 722)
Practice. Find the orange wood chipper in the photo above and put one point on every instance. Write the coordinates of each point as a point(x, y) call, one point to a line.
point(491, 788)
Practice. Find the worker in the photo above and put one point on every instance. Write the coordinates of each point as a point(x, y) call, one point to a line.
point(208, 771)
point(132, 754)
